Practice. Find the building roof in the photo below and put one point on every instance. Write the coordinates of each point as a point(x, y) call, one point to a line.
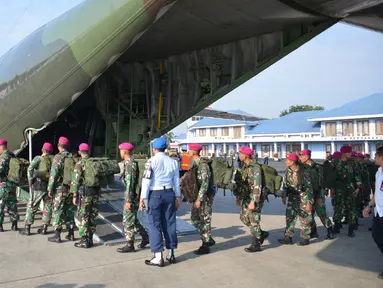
point(211, 122)
point(240, 112)
point(366, 106)
point(291, 123)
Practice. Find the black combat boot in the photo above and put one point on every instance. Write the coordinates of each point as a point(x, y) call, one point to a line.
point(264, 235)
point(14, 225)
point(144, 239)
point(330, 233)
point(128, 248)
point(351, 229)
point(70, 235)
point(83, 243)
point(43, 230)
point(56, 238)
point(314, 233)
point(90, 240)
point(337, 227)
point(211, 242)
point(26, 231)
point(254, 247)
point(286, 241)
point(304, 242)
point(1, 228)
point(204, 249)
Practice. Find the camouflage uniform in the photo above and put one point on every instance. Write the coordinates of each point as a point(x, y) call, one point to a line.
point(319, 197)
point(63, 207)
point(88, 208)
point(347, 180)
point(7, 190)
point(39, 193)
point(298, 197)
point(130, 220)
point(251, 173)
point(201, 218)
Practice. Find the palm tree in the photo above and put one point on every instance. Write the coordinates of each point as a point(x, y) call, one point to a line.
point(169, 137)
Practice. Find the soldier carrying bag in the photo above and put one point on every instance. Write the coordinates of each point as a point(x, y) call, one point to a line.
point(43, 171)
point(68, 170)
point(189, 186)
point(99, 172)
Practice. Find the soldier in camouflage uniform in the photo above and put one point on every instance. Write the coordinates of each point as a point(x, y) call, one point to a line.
point(297, 184)
point(252, 203)
point(88, 203)
point(39, 192)
point(317, 182)
point(347, 188)
point(202, 208)
point(366, 184)
point(130, 220)
point(63, 208)
point(7, 188)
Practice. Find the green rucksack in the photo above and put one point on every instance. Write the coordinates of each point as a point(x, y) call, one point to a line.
point(46, 163)
point(68, 170)
point(221, 171)
point(100, 172)
point(271, 180)
point(18, 170)
point(316, 175)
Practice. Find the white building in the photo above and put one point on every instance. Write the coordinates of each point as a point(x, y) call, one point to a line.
point(358, 123)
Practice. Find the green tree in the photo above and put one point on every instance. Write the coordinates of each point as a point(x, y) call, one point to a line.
point(169, 137)
point(300, 108)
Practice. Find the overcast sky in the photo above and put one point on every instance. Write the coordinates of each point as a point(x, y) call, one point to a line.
point(342, 64)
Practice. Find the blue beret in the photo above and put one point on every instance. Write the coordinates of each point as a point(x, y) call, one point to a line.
point(159, 143)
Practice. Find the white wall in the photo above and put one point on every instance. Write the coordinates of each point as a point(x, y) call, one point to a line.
point(317, 150)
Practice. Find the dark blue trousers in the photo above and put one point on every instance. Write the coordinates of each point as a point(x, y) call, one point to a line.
point(162, 220)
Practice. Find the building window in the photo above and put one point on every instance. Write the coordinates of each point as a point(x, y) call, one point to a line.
point(237, 132)
point(331, 129)
point(363, 128)
point(265, 149)
point(213, 131)
point(379, 127)
point(347, 128)
point(328, 148)
point(357, 148)
point(194, 133)
point(202, 132)
point(225, 131)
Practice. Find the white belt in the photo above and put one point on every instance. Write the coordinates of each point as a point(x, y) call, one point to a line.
point(156, 188)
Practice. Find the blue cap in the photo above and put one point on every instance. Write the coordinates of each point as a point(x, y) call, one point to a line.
point(159, 143)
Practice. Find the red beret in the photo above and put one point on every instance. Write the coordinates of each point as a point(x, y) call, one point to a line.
point(126, 146)
point(48, 147)
point(195, 147)
point(3, 142)
point(63, 141)
point(367, 155)
point(84, 147)
point(306, 152)
point(336, 155)
point(354, 154)
point(293, 157)
point(246, 150)
point(346, 149)
point(360, 155)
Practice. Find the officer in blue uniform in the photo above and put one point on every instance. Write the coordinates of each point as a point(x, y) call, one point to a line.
point(161, 187)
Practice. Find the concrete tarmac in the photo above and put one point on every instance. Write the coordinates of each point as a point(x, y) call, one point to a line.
point(343, 262)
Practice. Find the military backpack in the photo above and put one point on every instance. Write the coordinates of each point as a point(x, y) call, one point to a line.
point(221, 171)
point(18, 170)
point(68, 170)
point(99, 172)
point(44, 168)
point(189, 185)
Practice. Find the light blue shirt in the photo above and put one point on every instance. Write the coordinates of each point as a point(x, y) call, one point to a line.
point(160, 170)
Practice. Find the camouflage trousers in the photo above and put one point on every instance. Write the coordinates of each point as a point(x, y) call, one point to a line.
point(345, 203)
point(33, 205)
point(63, 209)
point(252, 219)
point(296, 207)
point(201, 218)
point(88, 211)
point(131, 223)
point(8, 200)
point(320, 208)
